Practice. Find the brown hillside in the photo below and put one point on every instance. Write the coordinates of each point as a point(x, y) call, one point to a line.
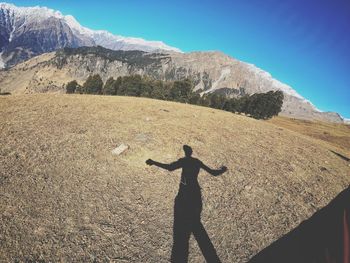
point(65, 197)
point(334, 134)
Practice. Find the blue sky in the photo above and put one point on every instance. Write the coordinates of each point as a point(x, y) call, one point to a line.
point(303, 43)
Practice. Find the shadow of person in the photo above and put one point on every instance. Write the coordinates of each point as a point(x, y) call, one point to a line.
point(322, 238)
point(188, 208)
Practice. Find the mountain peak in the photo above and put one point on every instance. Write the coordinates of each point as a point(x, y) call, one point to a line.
point(75, 25)
point(27, 24)
point(38, 11)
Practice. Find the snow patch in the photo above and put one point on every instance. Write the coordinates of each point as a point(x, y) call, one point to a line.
point(7, 6)
point(347, 121)
point(12, 32)
point(75, 26)
point(275, 83)
point(2, 62)
point(108, 40)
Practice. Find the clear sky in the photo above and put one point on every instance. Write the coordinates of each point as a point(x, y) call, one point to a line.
point(303, 43)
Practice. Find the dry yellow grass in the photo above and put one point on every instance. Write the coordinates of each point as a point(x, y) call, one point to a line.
point(65, 197)
point(336, 135)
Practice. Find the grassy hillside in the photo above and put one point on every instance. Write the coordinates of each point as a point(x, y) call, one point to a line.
point(337, 135)
point(64, 196)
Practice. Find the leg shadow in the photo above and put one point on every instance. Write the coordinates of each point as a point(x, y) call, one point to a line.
point(187, 210)
point(205, 243)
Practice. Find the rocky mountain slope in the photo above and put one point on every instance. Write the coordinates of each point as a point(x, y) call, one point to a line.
point(29, 31)
point(26, 32)
point(210, 71)
point(66, 197)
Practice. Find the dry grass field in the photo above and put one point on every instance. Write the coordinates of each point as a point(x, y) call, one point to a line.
point(337, 135)
point(65, 198)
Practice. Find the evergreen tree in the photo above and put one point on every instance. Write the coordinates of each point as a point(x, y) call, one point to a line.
point(231, 105)
point(79, 89)
point(117, 85)
point(194, 98)
point(275, 103)
point(217, 101)
point(160, 90)
point(131, 86)
point(264, 105)
point(259, 105)
point(204, 100)
point(146, 86)
point(71, 87)
point(181, 91)
point(242, 104)
point(109, 88)
point(93, 84)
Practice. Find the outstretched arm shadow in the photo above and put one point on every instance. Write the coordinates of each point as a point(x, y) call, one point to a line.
point(170, 167)
point(214, 172)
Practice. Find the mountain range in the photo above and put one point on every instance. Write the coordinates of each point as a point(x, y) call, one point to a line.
point(28, 32)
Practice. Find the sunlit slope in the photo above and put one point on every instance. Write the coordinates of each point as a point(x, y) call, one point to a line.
point(334, 134)
point(64, 196)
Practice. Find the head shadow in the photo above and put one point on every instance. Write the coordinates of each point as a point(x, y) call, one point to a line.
point(188, 150)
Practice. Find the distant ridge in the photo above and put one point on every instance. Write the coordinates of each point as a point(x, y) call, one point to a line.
point(29, 31)
point(210, 72)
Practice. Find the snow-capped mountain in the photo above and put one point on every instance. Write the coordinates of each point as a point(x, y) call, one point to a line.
point(115, 42)
point(26, 32)
point(29, 31)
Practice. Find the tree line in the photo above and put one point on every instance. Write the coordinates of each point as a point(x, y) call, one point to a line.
point(258, 105)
